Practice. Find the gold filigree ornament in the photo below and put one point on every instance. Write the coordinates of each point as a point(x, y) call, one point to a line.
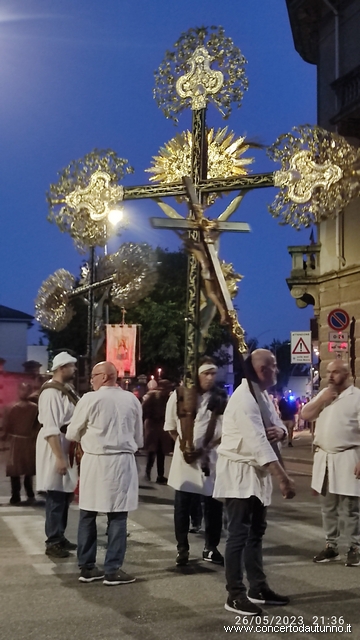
point(201, 81)
point(135, 271)
point(52, 308)
point(177, 86)
point(85, 193)
point(319, 175)
point(225, 158)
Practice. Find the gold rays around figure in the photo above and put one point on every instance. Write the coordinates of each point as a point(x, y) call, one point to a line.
point(225, 157)
point(319, 175)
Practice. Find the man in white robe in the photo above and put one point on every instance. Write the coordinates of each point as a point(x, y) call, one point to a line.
point(197, 478)
point(108, 422)
point(54, 472)
point(336, 470)
point(245, 461)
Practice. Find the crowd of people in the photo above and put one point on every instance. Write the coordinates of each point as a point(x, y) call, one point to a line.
point(224, 454)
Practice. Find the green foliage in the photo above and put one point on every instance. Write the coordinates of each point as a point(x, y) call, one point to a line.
point(162, 319)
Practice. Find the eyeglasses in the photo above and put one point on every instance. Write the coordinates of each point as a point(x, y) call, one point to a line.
point(93, 375)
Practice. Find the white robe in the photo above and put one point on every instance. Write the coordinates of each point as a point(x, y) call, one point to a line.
point(245, 452)
point(190, 477)
point(55, 410)
point(108, 422)
point(337, 441)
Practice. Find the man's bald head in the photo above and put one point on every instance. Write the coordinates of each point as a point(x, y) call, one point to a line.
point(264, 364)
point(337, 373)
point(104, 374)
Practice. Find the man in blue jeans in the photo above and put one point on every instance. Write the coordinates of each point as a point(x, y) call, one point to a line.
point(56, 474)
point(108, 422)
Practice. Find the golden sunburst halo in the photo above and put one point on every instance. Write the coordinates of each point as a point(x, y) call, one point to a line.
point(224, 157)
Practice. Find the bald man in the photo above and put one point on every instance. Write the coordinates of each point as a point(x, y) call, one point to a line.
point(108, 422)
point(336, 470)
point(245, 463)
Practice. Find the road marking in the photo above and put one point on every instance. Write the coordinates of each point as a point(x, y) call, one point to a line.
point(29, 532)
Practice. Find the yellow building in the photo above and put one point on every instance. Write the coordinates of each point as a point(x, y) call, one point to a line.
point(327, 273)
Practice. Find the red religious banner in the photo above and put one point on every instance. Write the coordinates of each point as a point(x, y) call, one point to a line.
point(121, 347)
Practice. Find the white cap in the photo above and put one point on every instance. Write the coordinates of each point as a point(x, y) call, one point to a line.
point(62, 359)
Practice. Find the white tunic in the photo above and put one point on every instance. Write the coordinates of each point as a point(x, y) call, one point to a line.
point(55, 411)
point(245, 449)
point(108, 422)
point(190, 477)
point(337, 438)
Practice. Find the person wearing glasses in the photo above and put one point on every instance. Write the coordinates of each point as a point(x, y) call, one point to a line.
point(108, 422)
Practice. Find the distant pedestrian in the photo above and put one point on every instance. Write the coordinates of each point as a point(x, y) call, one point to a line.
point(157, 442)
point(21, 427)
point(288, 409)
point(336, 470)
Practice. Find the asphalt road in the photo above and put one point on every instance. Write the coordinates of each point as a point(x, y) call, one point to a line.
point(42, 598)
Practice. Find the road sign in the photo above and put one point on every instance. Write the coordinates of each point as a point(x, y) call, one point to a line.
point(338, 336)
point(338, 347)
point(338, 319)
point(301, 347)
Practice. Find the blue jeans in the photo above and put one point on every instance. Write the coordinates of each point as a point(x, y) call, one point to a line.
point(56, 516)
point(87, 540)
point(246, 528)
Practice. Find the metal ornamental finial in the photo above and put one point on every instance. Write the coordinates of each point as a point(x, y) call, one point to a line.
point(98, 198)
point(304, 175)
point(201, 81)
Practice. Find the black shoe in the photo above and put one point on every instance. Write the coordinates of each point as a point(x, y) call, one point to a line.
point(182, 558)
point(89, 575)
point(69, 546)
point(243, 606)
point(267, 596)
point(213, 555)
point(290, 444)
point(352, 557)
point(15, 502)
point(161, 480)
point(329, 554)
point(120, 577)
point(56, 551)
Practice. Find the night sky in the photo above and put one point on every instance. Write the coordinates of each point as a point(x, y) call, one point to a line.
point(79, 75)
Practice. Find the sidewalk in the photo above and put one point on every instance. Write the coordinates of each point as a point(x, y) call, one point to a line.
point(302, 449)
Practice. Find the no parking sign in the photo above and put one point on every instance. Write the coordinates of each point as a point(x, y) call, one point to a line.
point(338, 319)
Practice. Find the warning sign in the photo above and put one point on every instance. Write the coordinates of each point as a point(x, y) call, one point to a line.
point(301, 347)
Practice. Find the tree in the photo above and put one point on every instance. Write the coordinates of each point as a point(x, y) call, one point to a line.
point(162, 319)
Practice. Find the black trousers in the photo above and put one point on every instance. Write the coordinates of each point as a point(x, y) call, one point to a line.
point(212, 517)
point(160, 461)
point(246, 528)
point(16, 488)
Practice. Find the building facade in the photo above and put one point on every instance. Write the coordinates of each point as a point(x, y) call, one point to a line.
point(326, 273)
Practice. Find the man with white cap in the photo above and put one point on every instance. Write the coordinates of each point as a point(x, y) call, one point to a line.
point(55, 472)
point(192, 468)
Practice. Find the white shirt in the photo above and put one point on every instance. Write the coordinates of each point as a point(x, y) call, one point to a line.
point(55, 411)
point(337, 438)
point(245, 450)
point(190, 477)
point(108, 422)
